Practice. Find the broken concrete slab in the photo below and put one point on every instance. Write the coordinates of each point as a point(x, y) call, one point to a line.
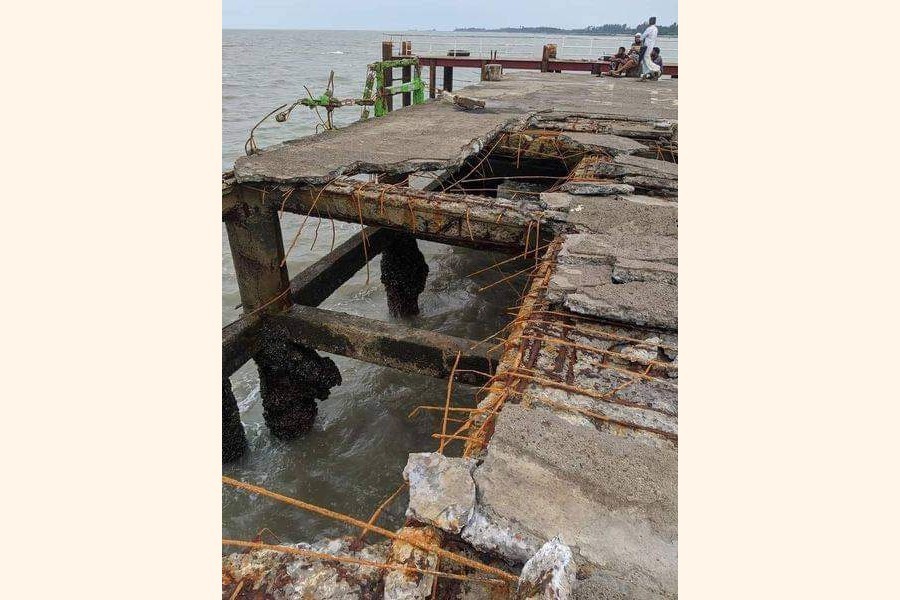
point(668, 187)
point(642, 303)
point(441, 490)
point(609, 249)
point(549, 574)
point(628, 270)
point(626, 215)
point(611, 498)
point(662, 168)
point(604, 142)
point(596, 188)
point(626, 278)
point(391, 144)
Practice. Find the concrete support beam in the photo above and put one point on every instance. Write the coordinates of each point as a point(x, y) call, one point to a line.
point(238, 344)
point(393, 345)
point(457, 219)
point(326, 275)
point(311, 288)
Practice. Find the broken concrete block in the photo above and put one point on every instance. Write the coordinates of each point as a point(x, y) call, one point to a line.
point(613, 144)
point(441, 490)
point(405, 585)
point(584, 188)
point(549, 574)
point(489, 533)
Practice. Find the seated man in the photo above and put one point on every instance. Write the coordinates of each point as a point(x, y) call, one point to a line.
point(631, 59)
point(657, 60)
point(618, 59)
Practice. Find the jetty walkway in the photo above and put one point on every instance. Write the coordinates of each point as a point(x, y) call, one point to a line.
point(565, 460)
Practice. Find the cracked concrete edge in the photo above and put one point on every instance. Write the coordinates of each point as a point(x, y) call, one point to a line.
point(403, 167)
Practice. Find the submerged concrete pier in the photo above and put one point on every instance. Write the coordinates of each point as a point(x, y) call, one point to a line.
point(566, 458)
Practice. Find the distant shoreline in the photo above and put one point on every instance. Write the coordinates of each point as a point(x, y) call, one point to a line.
point(603, 30)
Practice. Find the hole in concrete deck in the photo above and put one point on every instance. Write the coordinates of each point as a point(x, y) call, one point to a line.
point(353, 457)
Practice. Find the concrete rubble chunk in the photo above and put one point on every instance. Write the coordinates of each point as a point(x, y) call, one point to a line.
point(549, 574)
point(272, 574)
point(613, 144)
point(489, 533)
point(662, 168)
point(401, 585)
point(583, 188)
point(441, 490)
point(624, 215)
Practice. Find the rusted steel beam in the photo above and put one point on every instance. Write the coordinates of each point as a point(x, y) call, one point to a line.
point(456, 219)
point(390, 344)
point(315, 283)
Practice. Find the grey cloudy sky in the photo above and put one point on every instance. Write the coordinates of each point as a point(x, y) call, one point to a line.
point(438, 14)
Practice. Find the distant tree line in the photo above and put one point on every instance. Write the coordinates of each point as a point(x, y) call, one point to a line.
point(608, 29)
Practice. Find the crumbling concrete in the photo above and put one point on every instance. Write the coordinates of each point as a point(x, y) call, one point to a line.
point(590, 462)
point(604, 142)
point(291, 378)
point(590, 188)
point(549, 574)
point(441, 490)
point(611, 498)
point(619, 214)
point(403, 273)
point(400, 585)
point(273, 574)
point(627, 278)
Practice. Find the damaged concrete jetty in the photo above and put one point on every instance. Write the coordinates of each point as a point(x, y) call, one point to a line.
point(559, 478)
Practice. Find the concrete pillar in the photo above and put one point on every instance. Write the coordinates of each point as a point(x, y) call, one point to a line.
point(387, 51)
point(234, 442)
point(257, 249)
point(403, 273)
point(291, 378)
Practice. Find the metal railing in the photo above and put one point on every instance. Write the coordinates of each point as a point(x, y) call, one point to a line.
point(515, 45)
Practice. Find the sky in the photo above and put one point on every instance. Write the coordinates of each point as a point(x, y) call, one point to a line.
point(394, 15)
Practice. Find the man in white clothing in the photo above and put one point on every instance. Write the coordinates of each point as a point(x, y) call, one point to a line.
point(649, 70)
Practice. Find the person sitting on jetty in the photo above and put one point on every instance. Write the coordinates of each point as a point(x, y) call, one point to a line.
point(657, 60)
point(618, 59)
point(631, 59)
point(649, 70)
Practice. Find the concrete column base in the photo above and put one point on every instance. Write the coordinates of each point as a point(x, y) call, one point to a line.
point(291, 378)
point(403, 273)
